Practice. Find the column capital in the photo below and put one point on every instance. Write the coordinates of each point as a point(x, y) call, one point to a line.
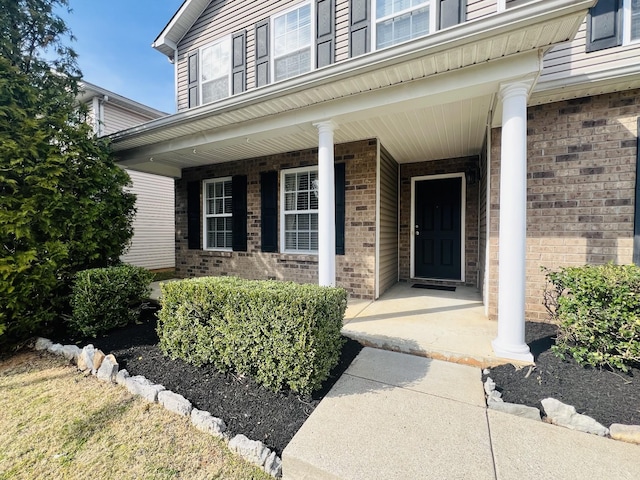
point(325, 126)
point(512, 89)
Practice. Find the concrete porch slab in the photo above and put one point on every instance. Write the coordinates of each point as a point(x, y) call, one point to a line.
point(449, 326)
point(366, 428)
point(529, 450)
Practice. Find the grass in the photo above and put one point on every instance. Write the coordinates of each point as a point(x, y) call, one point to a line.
point(57, 423)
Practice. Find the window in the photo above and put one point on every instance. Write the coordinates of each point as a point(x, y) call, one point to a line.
point(400, 20)
point(632, 20)
point(218, 214)
point(215, 70)
point(300, 210)
point(292, 42)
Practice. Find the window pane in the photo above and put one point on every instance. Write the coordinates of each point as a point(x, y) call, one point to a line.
point(303, 241)
point(402, 28)
point(290, 242)
point(313, 241)
point(290, 182)
point(303, 201)
point(303, 221)
point(290, 222)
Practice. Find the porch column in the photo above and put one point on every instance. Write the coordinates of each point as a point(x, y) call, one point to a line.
point(510, 342)
point(326, 206)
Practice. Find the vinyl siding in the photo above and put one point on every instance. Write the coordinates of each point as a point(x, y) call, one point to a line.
point(388, 214)
point(222, 18)
point(571, 58)
point(153, 243)
point(481, 8)
point(117, 118)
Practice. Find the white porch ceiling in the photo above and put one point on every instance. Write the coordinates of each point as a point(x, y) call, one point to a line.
point(427, 99)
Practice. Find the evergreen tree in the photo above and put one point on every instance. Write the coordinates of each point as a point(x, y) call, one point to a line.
point(62, 203)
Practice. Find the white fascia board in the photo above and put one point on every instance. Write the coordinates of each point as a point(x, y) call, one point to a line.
point(90, 90)
point(178, 26)
point(472, 31)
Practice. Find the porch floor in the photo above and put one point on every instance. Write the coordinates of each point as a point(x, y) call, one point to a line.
point(438, 324)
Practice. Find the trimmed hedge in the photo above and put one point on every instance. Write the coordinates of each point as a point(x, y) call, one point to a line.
point(597, 309)
point(282, 334)
point(106, 298)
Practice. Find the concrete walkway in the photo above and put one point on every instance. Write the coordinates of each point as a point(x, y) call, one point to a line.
point(398, 416)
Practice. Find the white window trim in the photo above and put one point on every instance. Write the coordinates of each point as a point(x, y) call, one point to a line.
point(272, 39)
point(626, 24)
point(283, 212)
point(433, 24)
point(226, 39)
point(205, 216)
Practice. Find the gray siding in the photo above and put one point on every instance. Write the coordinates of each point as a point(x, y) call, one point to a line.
point(388, 215)
point(153, 243)
point(117, 118)
point(571, 58)
point(481, 8)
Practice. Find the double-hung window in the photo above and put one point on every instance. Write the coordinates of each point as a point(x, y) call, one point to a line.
point(398, 21)
point(632, 20)
point(300, 210)
point(215, 71)
point(292, 42)
point(218, 214)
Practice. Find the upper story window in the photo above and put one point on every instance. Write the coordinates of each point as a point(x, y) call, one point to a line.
point(300, 210)
point(632, 20)
point(218, 221)
point(397, 21)
point(215, 71)
point(292, 39)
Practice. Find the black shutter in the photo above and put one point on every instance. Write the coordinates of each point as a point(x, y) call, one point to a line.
point(269, 211)
point(604, 25)
point(262, 53)
point(636, 226)
point(239, 62)
point(192, 79)
point(193, 215)
point(359, 27)
point(239, 212)
point(452, 12)
point(325, 32)
point(340, 180)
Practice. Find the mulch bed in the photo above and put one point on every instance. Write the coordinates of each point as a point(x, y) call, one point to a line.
point(605, 395)
point(245, 406)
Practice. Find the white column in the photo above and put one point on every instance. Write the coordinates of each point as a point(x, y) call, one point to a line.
point(326, 206)
point(510, 342)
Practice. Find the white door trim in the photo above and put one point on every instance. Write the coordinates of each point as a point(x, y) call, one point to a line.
point(463, 207)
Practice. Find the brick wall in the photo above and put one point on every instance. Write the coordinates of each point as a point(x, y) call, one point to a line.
point(355, 270)
point(580, 189)
point(436, 167)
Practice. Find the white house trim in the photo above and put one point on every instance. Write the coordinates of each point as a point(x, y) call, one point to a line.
point(463, 207)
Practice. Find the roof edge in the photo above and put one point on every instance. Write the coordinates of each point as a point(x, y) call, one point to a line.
point(174, 31)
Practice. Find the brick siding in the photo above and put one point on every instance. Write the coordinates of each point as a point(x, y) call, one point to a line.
point(355, 270)
point(580, 189)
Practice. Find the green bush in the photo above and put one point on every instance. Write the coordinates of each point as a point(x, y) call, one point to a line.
point(105, 298)
point(597, 309)
point(280, 333)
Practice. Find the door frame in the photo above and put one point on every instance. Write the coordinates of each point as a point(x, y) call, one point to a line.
point(463, 207)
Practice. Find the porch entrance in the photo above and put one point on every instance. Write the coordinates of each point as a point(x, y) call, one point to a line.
point(438, 228)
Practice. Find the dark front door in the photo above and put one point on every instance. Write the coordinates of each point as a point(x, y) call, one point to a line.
point(438, 228)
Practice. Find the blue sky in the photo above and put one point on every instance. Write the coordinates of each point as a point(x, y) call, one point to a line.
point(113, 42)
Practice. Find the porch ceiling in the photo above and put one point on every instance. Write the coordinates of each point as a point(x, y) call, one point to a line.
point(426, 99)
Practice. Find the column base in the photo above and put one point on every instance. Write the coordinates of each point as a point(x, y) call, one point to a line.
point(519, 352)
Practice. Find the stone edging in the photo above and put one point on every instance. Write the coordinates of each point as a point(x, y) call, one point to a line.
point(558, 413)
point(106, 368)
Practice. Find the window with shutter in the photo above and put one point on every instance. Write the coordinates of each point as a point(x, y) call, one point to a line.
point(215, 71)
point(300, 210)
point(292, 53)
point(218, 231)
point(398, 21)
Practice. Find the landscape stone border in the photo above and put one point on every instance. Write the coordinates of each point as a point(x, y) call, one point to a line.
point(105, 368)
point(561, 414)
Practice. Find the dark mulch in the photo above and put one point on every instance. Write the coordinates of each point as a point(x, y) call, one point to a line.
point(607, 396)
point(245, 406)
